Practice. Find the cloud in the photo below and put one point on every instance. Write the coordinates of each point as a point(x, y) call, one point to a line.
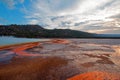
point(21, 1)
point(108, 31)
point(84, 15)
point(11, 3)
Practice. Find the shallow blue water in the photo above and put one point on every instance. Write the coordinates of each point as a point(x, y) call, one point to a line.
point(8, 40)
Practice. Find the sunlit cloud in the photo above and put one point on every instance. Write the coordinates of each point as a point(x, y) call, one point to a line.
point(103, 31)
point(83, 15)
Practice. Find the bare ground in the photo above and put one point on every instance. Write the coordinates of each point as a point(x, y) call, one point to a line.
point(83, 56)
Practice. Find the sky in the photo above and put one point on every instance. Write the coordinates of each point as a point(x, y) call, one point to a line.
point(94, 16)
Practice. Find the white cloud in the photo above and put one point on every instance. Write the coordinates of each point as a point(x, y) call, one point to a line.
point(12, 3)
point(108, 31)
point(9, 3)
point(74, 14)
point(21, 1)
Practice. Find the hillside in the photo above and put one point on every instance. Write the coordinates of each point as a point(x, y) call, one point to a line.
point(107, 35)
point(36, 31)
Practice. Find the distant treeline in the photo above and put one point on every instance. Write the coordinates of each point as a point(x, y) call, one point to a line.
point(37, 31)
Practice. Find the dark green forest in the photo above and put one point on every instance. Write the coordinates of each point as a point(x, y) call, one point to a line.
point(36, 31)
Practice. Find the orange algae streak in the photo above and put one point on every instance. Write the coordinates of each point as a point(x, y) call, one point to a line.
point(24, 47)
point(20, 50)
point(96, 75)
point(60, 41)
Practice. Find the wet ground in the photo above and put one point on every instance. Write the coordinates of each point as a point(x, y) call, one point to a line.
point(86, 55)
